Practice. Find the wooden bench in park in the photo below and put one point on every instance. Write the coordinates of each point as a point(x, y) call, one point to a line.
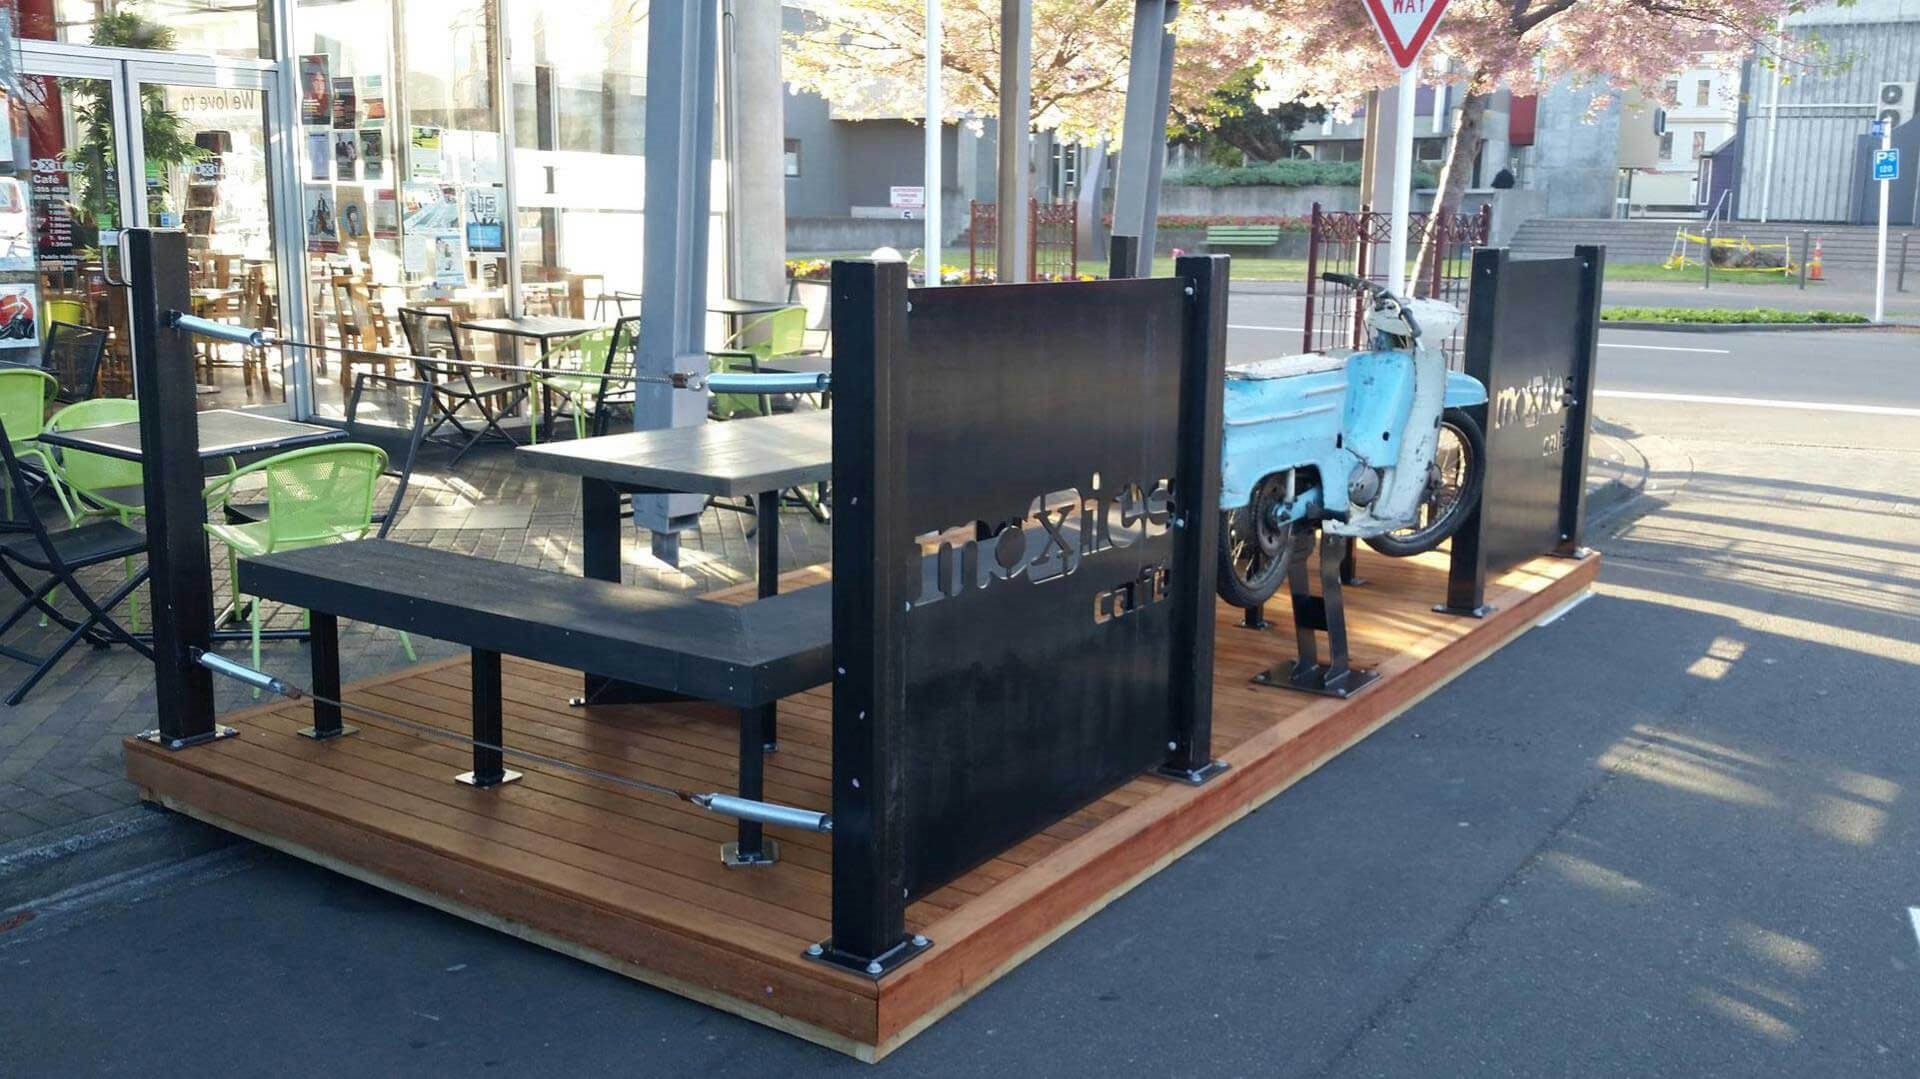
point(747, 655)
point(1242, 235)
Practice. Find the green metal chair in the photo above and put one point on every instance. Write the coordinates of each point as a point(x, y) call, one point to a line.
point(24, 393)
point(781, 333)
point(315, 496)
point(92, 484)
point(576, 361)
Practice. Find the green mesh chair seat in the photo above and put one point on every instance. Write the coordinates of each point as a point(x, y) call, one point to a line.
point(314, 496)
point(102, 484)
point(781, 333)
point(575, 362)
point(24, 393)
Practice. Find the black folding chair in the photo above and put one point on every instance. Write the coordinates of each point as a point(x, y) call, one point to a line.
point(391, 413)
point(621, 356)
point(72, 354)
point(438, 357)
point(61, 555)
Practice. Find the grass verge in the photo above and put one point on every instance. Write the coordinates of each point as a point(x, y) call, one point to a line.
point(1730, 315)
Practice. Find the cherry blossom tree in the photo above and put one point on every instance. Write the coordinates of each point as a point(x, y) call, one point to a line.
point(868, 57)
point(1330, 54)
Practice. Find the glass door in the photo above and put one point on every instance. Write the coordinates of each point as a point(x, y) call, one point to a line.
point(62, 199)
point(208, 166)
point(107, 137)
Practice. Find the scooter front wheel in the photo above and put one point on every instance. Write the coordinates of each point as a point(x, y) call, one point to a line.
point(1453, 489)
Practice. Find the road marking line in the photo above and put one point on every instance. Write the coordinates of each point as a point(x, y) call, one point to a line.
point(1760, 402)
point(1913, 915)
point(1667, 348)
point(1274, 329)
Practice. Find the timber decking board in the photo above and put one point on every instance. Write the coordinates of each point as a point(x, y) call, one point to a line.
point(633, 881)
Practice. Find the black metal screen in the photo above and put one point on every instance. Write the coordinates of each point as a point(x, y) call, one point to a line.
point(1356, 242)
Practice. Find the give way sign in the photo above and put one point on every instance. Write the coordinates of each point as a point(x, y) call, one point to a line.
point(1405, 25)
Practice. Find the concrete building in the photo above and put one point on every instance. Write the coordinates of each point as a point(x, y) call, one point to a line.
point(1804, 144)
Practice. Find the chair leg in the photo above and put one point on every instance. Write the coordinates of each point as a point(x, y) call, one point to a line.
point(97, 616)
point(253, 623)
point(406, 645)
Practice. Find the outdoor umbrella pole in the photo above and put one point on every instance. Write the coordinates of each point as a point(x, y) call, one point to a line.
point(712, 801)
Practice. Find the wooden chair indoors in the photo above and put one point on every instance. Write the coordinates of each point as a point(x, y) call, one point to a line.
point(362, 325)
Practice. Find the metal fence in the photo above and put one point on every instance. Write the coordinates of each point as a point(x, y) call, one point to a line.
point(1356, 242)
point(1051, 253)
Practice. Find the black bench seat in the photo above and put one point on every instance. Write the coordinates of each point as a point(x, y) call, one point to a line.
point(748, 655)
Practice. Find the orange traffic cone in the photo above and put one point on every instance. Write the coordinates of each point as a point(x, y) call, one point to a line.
point(1813, 264)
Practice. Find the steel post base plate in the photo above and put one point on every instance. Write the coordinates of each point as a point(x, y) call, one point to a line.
point(1316, 679)
point(220, 730)
point(470, 779)
point(1192, 777)
point(318, 735)
point(1481, 611)
point(875, 967)
point(731, 857)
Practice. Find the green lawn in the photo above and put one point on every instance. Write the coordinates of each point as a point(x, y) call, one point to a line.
point(1655, 273)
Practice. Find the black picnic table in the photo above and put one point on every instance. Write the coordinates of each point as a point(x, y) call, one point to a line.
point(751, 457)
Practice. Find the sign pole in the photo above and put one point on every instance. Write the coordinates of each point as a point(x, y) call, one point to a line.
point(931, 245)
point(1880, 251)
point(1402, 180)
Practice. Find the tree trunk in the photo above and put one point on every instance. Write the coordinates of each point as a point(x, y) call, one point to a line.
point(1463, 145)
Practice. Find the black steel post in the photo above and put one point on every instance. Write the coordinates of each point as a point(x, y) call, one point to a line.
point(1706, 258)
point(869, 501)
point(489, 763)
point(1806, 249)
point(1123, 253)
point(767, 531)
point(1573, 468)
point(155, 264)
point(325, 634)
point(750, 845)
point(1196, 497)
point(1467, 572)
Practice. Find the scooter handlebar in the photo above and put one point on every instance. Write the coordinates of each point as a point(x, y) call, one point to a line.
point(1361, 284)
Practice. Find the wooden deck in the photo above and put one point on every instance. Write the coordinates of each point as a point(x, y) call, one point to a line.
point(633, 881)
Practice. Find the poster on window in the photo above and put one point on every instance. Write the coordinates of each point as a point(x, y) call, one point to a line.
point(449, 262)
point(423, 141)
point(373, 96)
point(373, 153)
point(53, 210)
point(346, 106)
point(350, 215)
point(486, 231)
point(323, 228)
point(16, 232)
point(316, 90)
point(19, 311)
point(346, 156)
point(319, 157)
point(386, 215)
point(430, 208)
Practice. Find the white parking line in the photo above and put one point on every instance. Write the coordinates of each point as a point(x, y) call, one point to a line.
point(1667, 348)
point(1913, 915)
point(1271, 329)
point(1760, 402)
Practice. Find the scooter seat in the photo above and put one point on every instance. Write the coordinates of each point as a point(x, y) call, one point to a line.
point(1307, 363)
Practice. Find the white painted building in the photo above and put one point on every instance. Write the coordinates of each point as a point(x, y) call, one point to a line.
point(1703, 115)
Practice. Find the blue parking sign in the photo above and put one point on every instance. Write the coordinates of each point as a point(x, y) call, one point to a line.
point(1886, 164)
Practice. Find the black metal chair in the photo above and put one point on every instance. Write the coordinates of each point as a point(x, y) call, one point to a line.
point(72, 354)
point(443, 365)
point(61, 555)
point(621, 357)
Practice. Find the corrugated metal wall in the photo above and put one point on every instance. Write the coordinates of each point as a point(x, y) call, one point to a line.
point(1822, 116)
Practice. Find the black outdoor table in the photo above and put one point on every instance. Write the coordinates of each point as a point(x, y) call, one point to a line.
point(758, 457)
point(224, 433)
point(546, 329)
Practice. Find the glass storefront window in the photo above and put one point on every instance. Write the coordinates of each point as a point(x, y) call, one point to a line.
point(238, 28)
point(579, 101)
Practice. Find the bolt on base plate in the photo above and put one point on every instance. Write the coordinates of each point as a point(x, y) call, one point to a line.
point(731, 857)
point(315, 733)
point(1481, 611)
point(1192, 777)
point(220, 730)
point(875, 967)
point(1315, 679)
point(506, 776)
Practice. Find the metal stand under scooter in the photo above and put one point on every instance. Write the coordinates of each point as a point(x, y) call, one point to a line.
point(1322, 613)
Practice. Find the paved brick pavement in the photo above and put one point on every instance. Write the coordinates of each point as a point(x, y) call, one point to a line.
point(60, 749)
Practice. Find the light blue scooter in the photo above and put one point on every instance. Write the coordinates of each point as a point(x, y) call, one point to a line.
point(1372, 444)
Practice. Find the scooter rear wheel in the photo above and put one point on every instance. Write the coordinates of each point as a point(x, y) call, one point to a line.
point(1459, 471)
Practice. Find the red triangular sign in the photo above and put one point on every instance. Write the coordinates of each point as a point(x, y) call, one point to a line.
point(1405, 25)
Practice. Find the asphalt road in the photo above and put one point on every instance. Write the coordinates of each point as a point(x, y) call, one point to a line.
point(1669, 834)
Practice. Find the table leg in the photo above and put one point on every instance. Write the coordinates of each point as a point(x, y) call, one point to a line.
point(546, 395)
point(766, 508)
point(326, 677)
point(600, 542)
